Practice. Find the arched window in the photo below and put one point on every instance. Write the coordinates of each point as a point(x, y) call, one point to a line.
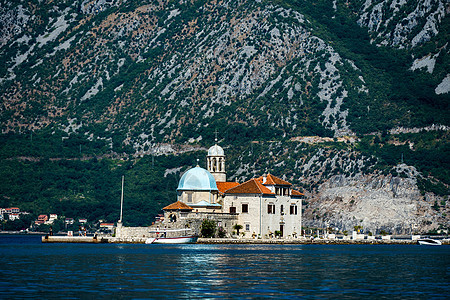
point(173, 218)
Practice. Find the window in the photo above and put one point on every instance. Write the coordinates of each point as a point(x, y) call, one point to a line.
point(189, 197)
point(247, 227)
point(232, 210)
point(245, 208)
point(271, 208)
point(282, 209)
point(293, 209)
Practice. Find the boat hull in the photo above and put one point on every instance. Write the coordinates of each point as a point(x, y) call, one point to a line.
point(429, 242)
point(173, 240)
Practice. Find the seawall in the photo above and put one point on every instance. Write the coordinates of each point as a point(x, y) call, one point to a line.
point(73, 239)
point(133, 240)
point(312, 242)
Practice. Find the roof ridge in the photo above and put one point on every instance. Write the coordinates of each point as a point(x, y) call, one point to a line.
point(257, 185)
point(178, 205)
point(252, 186)
point(277, 180)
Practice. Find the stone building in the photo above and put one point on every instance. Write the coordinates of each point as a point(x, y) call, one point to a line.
point(263, 206)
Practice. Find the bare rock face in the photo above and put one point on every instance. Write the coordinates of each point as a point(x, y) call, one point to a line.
point(375, 202)
point(419, 20)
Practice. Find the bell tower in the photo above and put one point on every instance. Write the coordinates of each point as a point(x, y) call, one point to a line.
point(215, 162)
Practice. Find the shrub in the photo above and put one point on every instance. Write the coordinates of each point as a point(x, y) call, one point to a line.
point(221, 232)
point(208, 228)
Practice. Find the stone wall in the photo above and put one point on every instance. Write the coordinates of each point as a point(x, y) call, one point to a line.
point(191, 220)
point(194, 221)
point(132, 232)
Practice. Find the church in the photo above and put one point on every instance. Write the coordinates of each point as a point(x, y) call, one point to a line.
point(263, 207)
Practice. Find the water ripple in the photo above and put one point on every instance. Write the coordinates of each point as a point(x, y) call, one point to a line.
point(73, 271)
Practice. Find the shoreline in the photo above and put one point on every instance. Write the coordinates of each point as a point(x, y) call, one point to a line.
point(312, 242)
point(22, 233)
point(231, 241)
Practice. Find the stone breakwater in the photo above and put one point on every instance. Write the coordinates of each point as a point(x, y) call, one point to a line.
point(114, 240)
point(312, 242)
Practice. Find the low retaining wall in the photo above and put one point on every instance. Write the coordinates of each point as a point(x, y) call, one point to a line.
point(133, 232)
point(136, 240)
point(73, 239)
point(305, 241)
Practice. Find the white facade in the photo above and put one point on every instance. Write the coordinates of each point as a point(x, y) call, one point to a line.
point(263, 215)
point(53, 218)
point(13, 217)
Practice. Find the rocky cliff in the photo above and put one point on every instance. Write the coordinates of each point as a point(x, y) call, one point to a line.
point(376, 203)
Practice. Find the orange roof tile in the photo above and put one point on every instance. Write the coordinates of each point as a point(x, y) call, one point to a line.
point(296, 193)
point(251, 186)
point(223, 186)
point(273, 180)
point(178, 206)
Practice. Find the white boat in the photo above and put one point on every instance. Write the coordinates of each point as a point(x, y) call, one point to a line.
point(164, 239)
point(175, 240)
point(429, 242)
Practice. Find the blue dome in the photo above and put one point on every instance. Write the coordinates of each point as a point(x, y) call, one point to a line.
point(197, 179)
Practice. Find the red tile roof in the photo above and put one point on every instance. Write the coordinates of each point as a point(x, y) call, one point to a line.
point(273, 180)
point(252, 186)
point(178, 206)
point(296, 193)
point(223, 186)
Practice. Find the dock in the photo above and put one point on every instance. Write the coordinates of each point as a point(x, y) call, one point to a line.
point(74, 239)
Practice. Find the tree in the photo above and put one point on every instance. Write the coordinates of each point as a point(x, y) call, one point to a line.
point(221, 232)
point(237, 227)
point(208, 228)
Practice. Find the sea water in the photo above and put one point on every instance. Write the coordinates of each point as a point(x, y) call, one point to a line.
point(30, 269)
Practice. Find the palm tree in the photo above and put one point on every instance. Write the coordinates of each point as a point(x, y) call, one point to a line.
point(237, 227)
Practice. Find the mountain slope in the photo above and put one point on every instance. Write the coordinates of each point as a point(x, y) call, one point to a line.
point(171, 71)
point(104, 80)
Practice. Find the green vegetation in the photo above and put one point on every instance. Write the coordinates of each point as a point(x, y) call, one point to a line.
point(397, 91)
point(19, 224)
point(237, 227)
point(208, 228)
point(429, 153)
point(77, 186)
point(221, 232)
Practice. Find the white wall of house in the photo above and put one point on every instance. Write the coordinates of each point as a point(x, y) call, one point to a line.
point(262, 220)
point(13, 217)
point(248, 208)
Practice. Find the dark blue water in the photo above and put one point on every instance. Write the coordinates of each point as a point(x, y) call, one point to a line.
point(29, 269)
